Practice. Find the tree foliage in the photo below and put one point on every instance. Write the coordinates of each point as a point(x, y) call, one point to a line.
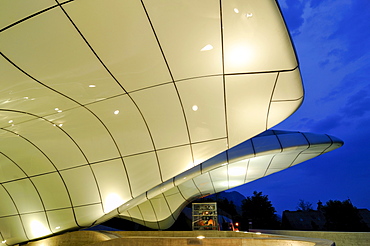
point(342, 216)
point(304, 206)
point(259, 210)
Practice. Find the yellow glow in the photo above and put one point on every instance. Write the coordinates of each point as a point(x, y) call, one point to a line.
point(194, 108)
point(236, 10)
point(236, 171)
point(201, 237)
point(233, 183)
point(3, 241)
point(116, 112)
point(92, 86)
point(112, 201)
point(239, 56)
point(38, 229)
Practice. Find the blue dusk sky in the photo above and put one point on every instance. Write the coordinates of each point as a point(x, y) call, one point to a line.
point(332, 41)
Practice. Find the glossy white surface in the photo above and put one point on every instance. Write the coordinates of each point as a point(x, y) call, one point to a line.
point(103, 101)
point(269, 157)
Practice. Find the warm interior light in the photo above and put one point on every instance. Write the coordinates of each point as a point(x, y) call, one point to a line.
point(38, 229)
point(236, 171)
point(258, 233)
point(239, 56)
point(201, 237)
point(112, 201)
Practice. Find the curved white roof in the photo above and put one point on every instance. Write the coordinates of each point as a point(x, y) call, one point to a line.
point(101, 101)
point(265, 154)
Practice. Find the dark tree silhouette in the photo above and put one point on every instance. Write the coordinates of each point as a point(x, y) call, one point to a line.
point(342, 216)
point(304, 206)
point(259, 210)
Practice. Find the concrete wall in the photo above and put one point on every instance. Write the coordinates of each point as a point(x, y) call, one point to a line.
point(340, 238)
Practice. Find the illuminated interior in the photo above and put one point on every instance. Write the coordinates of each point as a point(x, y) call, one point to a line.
point(108, 107)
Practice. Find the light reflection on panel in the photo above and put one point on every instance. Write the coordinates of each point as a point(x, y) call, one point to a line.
point(220, 179)
point(204, 184)
point(60, 220)
point(187, 175)
point(281, 110)
point(54, 143)
point(160, 207)
point(52, 191)
point(168, 185)
point(125, 123)
point(303, 157)
point(258, 166)
point(9, 170)
point(188, 56)
point(136, 61)
point(318, 149)
point(255, 37)
point(19, 92)
point(30, 154)
point(237, 172)
point(266, 144)
point(317, 138)
point(147, 211)
point(163, 115)
point(36, 225)
point(283, 161)
point(171, 164)
point(6, 205)
point(86, 215)
point(88, 132)
point(143, 172)
point(204, 151)
point(332, 147)
point(113, 184)
point(189, 190)
point(204, 106)
point(135, 213)
point(64, 61)
point(24, 196)
point(272, 170)
point(81, 185)
point(10, 120)
point(292, 140)
point(288, 86)
point(174, 199)
point(247, 98)
point(9, 227)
